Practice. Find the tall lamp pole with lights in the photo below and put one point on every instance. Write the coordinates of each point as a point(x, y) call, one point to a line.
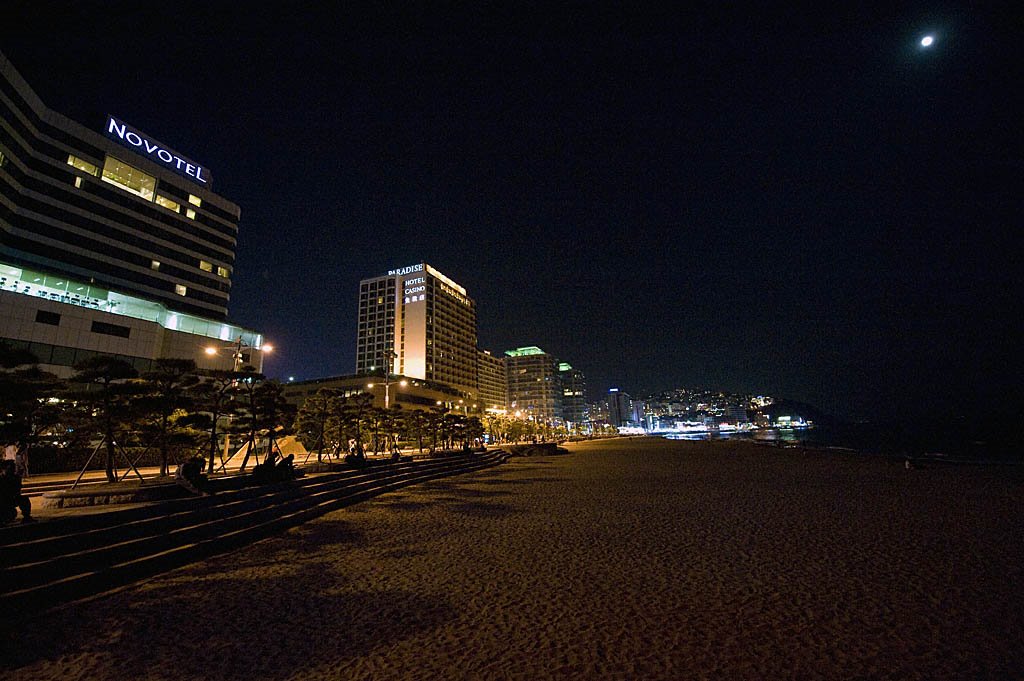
point(387, 383)
point(392, 356)
point(236, 365)
point(236, 354)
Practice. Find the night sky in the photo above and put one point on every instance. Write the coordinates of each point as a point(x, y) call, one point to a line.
point(787, 200)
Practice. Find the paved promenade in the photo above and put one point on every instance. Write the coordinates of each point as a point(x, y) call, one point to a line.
point(621, 560)
point(35, 486)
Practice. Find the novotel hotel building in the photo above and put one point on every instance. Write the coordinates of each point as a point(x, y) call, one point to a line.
point(416, 322)
point(111, 242)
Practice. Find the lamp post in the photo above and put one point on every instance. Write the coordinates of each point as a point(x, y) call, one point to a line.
point(236, 366)
point(387, 385)
point(236, 351)
point(387, 378)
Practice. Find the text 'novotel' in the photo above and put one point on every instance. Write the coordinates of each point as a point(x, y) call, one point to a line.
point(156, 151)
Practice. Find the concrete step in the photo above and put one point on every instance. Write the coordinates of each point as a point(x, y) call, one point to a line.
point(107, 557)
point(39, 560)
point(227, 489)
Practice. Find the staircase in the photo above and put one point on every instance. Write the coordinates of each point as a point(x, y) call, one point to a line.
point(50, 563)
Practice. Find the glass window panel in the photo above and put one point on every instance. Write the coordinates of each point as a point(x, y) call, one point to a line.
point(223, 272)
point(47, 317)
point(42, 351)
point(63, 356)
point(195, 200)
point(205, 266)
point(129, 178)
point(190, 213)
point(83, 165)
point(167, 203)
point(180, 290)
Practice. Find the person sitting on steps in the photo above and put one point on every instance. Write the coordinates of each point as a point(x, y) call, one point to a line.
point(11, 497)
point(190, 476)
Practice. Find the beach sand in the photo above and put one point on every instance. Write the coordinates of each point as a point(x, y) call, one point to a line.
point(625, 559)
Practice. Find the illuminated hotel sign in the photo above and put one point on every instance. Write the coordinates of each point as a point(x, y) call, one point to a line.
point(156, 152)
point(454, 294)
point(405, 270)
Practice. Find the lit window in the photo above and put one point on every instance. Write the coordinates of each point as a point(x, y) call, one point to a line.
point(78, 182)
point(154, 265)
point(2, 159)
point(223, 272)
point(190, 213)
point(129, 178)
point(205, 266)
point(168, 203)
point(82, 165)
point(195, 200)
point(180, 290)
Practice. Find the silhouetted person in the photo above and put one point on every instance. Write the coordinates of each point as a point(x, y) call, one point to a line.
point(190, 476)
point(285, 469)
point(11, 498)
point(275, 468)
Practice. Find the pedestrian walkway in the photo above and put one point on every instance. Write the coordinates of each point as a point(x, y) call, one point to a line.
point(36, 486)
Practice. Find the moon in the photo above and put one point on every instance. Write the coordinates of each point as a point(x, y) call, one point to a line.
point(927, 41)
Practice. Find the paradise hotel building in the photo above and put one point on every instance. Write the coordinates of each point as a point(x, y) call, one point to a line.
point(111, 243)
point(418, 323)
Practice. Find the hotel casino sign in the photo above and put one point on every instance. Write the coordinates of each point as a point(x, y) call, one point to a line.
point(157, 152)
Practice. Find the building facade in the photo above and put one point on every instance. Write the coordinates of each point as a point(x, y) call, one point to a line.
point(574, 400)
point(110, 242)
point(620, 408)
point(534, 388)
point(417, 322)
point(492, 389)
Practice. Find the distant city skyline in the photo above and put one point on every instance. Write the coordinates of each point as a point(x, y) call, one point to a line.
point(809, 204)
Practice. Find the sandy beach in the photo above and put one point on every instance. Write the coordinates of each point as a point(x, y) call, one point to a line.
point(625, 559)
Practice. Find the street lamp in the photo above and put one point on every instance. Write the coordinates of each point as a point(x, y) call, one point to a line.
point(387, 385)
point(236, 349)
point(387, 378)
point(236, 364)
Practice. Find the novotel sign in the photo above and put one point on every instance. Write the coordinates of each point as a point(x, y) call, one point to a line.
point(155, 151)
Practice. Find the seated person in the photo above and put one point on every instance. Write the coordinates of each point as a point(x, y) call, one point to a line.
point(11, 497)
point(190, 476)
point(285, 469)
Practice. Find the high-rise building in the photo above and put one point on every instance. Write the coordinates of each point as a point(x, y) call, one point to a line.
point(534, 388)
point(417, 322)
point(492, 390)
point(574, 401)
point(111, 242)
point(620, 407)
point(112, 207)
